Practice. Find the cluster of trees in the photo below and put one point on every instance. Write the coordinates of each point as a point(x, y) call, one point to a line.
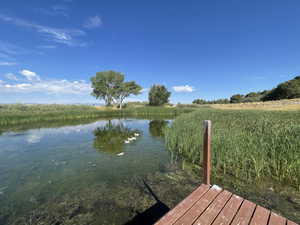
point(250, 97)
point(286, 90)
point(111, 87)
point(217, 101)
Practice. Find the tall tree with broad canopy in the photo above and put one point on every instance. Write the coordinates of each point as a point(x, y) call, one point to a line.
point(126, 89)
point(158, 95)
point(110, 86)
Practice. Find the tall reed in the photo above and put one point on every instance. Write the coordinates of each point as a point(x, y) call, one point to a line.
point(246, 144)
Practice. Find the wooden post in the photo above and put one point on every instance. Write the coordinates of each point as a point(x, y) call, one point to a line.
point(207, 152)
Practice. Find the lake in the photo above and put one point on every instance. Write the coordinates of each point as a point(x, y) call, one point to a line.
point(87, 173)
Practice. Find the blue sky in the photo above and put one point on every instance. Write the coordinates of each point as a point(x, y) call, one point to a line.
point(197, 49)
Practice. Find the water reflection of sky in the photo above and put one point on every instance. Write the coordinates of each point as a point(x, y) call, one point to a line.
point(80, 142)
point(34, 136)
point(40, 163)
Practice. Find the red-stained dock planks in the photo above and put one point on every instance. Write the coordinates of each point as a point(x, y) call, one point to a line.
point(210, 205)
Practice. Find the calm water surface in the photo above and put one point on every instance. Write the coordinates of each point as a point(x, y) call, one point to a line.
point(89, 169)
point(95, 173)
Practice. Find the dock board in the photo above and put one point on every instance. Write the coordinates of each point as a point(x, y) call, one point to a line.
point(211, 205)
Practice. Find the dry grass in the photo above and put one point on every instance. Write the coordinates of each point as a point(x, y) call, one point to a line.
point(104, 108)
point(282, 105)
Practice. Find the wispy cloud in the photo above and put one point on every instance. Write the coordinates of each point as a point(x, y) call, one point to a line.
point(8, 50)
point(93, 22)
point(8, 53)
point(55, 10)
point(5, 56)
point(11, 76)
point(183, 88)
point(7, 63)
point(63, 36)
point(34, 84)
point(31, 76)
point(47, 46)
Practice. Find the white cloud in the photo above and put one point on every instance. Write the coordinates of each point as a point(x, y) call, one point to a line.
point(63, 36)
point(49, 87)
point(34, 84)
point(145, 90)
point(184, 88)
point(93, 22)
point(11, 76)
point(31, 76)
point(7, 63)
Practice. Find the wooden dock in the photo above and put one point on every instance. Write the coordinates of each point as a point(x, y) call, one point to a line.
point(211, 205)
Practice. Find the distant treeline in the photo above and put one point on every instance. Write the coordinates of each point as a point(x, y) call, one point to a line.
point(286, 90)
point(217, 101)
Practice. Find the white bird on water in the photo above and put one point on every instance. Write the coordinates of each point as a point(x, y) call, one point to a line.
point(136, 134)
point(132, 138)
point(120, 154)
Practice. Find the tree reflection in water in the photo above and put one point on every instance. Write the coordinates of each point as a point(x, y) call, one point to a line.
point(111, 138)
point(156, 127)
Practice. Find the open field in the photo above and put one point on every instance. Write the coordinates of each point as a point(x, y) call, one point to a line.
point(24, 114)
point(247, 144)
point(286, 105)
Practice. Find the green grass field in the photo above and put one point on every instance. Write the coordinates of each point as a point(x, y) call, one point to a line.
point(249, 145)
point(16, 114)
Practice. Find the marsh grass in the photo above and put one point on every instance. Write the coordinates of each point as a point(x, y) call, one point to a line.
point(250, 145)
point(16, 114)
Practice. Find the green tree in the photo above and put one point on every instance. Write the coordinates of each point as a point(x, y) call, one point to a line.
point(126, 89)
point(110, 86)
point(287, 90)
point(106, 84)
point(199, 101)
point(158, 95)
point(236, 98)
